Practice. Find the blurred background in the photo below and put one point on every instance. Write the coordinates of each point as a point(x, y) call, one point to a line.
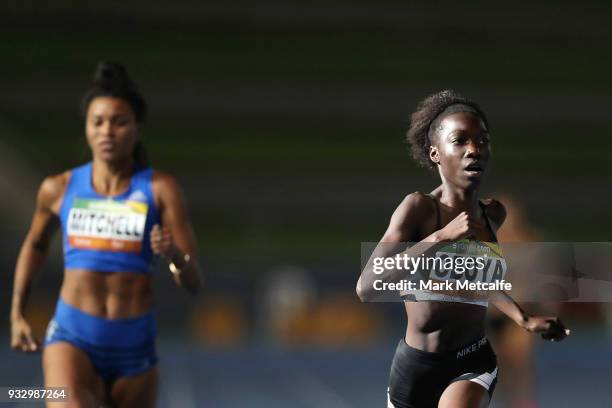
point(284, 121)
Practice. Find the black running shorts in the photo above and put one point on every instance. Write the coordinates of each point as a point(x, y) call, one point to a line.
point(418, 378)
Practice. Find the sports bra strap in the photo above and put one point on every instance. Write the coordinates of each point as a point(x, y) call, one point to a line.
point(486, 217)
point(438, 217)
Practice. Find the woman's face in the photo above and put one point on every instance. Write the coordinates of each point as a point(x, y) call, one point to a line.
point(461, 149)
point(111, 128)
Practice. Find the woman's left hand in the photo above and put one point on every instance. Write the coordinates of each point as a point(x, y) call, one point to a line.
point(162, 242)
point(551, 328)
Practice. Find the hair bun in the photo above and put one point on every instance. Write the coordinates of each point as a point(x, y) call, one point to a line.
point(111, 74)
point(112, 80)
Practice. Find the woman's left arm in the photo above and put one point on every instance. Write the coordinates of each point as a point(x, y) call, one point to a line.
point(550, 327)
point(174, 239)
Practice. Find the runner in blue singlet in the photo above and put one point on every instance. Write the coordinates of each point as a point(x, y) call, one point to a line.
point(115, 214)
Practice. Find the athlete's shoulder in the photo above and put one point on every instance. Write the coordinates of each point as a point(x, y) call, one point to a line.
point(495, 210)
point(413, 209)
point(166, 187)
point(163, 180)
point(53, 188)
point(418, 203)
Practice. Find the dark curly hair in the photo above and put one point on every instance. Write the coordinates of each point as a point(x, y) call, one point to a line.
point(112, 79)
point(421, 120)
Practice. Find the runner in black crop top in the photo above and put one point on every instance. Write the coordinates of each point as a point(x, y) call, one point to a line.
point(449, 134)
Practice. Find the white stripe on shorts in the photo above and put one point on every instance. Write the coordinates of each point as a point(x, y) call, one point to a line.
point(389, 403)
point(485, 379)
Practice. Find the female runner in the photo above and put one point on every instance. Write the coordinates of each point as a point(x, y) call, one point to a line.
point(445, 360)
point(115, 214)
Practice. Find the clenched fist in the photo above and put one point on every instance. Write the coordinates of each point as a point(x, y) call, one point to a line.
point(551, 328)
point(161, 241)
point(461, 227)
point(22, 337)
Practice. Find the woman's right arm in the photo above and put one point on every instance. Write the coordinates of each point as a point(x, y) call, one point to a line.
point(31, 257)
point(404, 227)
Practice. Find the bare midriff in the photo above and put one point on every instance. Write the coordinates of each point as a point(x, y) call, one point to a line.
point(110, 295)
point(443, 326)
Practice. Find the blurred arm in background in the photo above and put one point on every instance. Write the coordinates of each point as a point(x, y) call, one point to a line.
point(31, 257)
point(175, 239)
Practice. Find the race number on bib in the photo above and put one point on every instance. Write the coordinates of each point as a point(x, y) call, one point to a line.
point(107, 225)
point(474, 261)
point(463, 263)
